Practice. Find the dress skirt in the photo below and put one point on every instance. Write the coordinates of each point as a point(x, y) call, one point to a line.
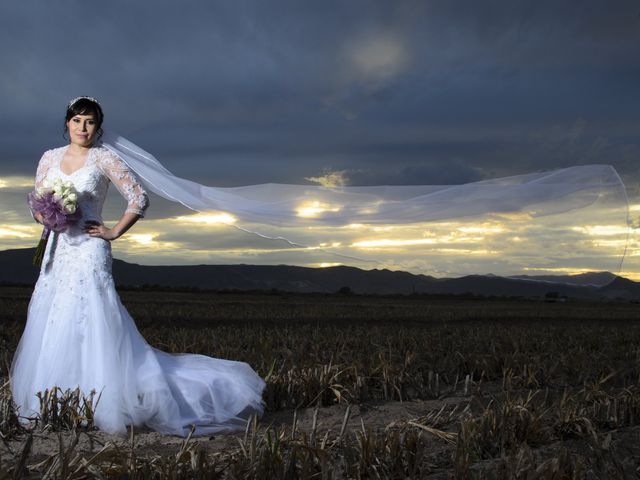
point(78, 334)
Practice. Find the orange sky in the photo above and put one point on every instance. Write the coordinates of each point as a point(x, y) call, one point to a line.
point(499, 244)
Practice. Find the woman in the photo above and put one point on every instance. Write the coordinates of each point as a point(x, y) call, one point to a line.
point(78, 333)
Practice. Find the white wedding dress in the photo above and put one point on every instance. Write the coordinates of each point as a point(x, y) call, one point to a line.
point(78, 333)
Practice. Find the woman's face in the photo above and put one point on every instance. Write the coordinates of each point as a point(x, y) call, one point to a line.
point(82, 129)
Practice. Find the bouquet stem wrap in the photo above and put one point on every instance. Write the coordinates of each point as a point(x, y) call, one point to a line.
point(42, 245)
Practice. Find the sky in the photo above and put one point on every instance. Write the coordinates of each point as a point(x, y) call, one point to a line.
point(441, 92)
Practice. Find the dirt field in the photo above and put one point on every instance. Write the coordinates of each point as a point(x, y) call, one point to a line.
point(375, 387)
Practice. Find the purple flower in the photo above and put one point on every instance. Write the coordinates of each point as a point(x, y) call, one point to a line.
point(52, 210)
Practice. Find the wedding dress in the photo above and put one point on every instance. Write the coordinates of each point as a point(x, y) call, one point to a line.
point(78, 333)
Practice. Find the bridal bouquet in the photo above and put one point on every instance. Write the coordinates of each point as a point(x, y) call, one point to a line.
point(57, 202)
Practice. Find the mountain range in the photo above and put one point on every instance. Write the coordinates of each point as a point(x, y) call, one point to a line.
point(16, 268)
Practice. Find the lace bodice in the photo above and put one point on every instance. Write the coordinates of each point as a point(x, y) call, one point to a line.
point(92, 180)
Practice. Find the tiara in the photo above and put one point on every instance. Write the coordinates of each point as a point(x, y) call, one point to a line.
point(82, 97)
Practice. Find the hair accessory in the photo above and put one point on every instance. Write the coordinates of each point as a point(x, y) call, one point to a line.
point(80, 98)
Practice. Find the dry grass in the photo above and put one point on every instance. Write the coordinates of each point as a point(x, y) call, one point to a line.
point(541, 391)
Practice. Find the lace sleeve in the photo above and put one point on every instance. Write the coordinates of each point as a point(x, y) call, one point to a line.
point(43, 168)
point(41, 173)
point(125, 181)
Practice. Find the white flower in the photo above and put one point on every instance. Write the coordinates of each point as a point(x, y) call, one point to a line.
point(70, 208)
point(68, 185)
point(72, 197)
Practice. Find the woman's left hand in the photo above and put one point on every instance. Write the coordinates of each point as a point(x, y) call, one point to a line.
point(96, 229)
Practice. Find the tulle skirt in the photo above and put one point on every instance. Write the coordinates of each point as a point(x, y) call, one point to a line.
point(78, 334)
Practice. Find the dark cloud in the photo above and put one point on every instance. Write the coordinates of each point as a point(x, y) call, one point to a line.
point(248, 92)
point(447, 173)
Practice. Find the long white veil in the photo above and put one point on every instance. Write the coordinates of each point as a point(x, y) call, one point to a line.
point(556, 217)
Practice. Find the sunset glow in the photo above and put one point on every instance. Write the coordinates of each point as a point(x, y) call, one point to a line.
point(142, 238)
point(602, 230)
point(487, 230)
point(315, 208)
point(16, 182)
point(16, 231)
point(394, 243)
point(208, 218)
point(559, 271)
point(496, 243)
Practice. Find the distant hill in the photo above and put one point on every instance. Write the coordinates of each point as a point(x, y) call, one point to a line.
point(590, 278)
point(15, 267)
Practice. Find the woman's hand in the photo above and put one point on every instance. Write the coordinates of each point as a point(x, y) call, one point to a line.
point(96, 229)
point(38, 218)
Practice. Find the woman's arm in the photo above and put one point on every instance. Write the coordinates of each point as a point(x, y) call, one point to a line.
point(96, 229)
point(130, 188)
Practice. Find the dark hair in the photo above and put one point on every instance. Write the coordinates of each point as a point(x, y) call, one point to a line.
point(85, 106)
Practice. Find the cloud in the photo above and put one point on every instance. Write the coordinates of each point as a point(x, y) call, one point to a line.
point(369, 66)
point(358, 93)
point(16, 182)
point(248, 83)
point(331, 179)
point(451, 172)
point(378, 58)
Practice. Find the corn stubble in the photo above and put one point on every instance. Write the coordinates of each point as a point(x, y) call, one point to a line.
point(502, 398)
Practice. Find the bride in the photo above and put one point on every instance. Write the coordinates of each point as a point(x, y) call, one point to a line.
point(78, 333)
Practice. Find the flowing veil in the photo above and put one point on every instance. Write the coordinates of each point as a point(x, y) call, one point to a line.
point(565, 220)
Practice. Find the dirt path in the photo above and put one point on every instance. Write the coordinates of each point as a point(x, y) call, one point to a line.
point(374, 415)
